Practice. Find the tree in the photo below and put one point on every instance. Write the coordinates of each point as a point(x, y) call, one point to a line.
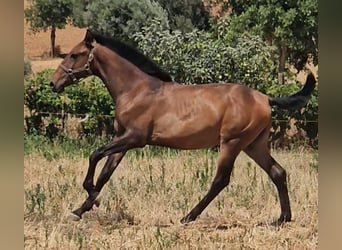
point(48, 14)
point(122, 18)
point(291, 25)
point(118, 18)
point(198, 57)
point(186, 15)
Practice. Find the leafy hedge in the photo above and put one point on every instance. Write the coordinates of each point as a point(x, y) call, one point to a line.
point(198, 57)
point(48, 111)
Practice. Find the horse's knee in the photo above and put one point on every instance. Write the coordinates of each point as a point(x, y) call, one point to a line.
point(88, 185)
point(95, 156)
point(278, 175)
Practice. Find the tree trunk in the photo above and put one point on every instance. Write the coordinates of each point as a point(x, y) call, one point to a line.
point(282, 61)
point(53, 39)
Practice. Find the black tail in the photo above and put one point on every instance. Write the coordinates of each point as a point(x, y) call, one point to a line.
point(298, 99)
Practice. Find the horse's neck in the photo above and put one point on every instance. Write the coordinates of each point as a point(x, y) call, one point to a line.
point(119, 75)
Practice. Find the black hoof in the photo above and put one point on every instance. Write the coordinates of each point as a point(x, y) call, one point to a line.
point(187, 219)
point(281, 221)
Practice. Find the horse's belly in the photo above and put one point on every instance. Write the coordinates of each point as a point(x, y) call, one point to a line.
point(187, 138)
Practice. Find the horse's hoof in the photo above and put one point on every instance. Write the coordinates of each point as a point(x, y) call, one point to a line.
point(187, 219)
point(97, 201)
point(74, 217)
point(278, 223)
point(281, 221)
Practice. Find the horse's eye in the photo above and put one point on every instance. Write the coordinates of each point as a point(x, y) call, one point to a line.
point(73, 56)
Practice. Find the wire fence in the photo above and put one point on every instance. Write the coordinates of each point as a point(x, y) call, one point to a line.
point(286, 132)
point(113, 116)
point(73, 114)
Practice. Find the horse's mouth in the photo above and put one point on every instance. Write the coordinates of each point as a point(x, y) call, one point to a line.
point(57, 90)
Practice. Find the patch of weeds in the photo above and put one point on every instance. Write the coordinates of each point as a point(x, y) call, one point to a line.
point(165, 240)
point(81, 239)
point(314, 163)
point(182, 201)
point(60, 147)
point(117, 215)
point(34, 143)
point(35, 200)
point(203, 177)
point(50, 155)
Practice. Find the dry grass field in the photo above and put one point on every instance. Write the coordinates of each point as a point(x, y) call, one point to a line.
point(147, 196)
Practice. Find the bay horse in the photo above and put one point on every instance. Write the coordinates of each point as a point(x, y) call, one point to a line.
point(151, 109)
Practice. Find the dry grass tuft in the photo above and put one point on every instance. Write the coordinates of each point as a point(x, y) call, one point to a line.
point(147, 196)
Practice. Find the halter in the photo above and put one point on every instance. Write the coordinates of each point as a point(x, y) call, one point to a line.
point(86, 68)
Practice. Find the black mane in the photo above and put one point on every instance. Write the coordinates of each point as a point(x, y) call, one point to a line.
point(134, 56)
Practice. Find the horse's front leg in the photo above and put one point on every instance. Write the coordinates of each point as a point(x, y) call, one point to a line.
point(106, 172)
point(88, 183)
point(115, 152)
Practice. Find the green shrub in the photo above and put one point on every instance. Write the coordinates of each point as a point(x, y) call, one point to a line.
point(306, 118)
point(48, 110)
point(198, 57)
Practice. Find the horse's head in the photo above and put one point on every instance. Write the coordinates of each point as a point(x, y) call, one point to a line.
point(75, 66)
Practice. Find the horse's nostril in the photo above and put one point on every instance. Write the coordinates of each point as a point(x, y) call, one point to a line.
point(51, 84)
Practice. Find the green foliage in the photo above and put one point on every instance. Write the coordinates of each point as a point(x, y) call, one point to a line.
point(186, 15)
point(35, 200)
point(48, 14)
point(246, 59)
point(119, 18)
point(122, 18)
point(46, 107)
point(44, 14)
point(290, 24)
point(306, 119)
point(61, 147)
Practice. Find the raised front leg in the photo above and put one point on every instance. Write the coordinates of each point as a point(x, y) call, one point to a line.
point(115, 150)
point(108, 169)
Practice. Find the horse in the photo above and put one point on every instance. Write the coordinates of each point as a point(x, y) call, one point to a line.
point(152, 109)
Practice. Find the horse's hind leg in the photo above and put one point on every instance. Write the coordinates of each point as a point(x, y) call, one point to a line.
point(228, 153)
point(258, 150)
point(111, 164)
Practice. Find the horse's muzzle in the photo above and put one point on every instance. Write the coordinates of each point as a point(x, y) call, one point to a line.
point(54, 89)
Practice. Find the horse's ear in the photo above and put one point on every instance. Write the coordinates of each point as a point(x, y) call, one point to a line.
point(89, 38)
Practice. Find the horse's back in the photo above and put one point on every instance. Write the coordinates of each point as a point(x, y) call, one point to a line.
point(197, 116)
